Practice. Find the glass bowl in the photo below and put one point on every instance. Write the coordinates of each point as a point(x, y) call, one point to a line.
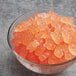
point(38, 68)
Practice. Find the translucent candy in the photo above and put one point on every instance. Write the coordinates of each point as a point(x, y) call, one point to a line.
point(73, 33)
point(24, 25)
point(67, 20)
point(56, 35)
point(21, 26)
point(41, 21)
point(32, 57)
point(17, 49)
point(24, 37)
point(59, 52)
point(67, 54)
point(44, 56)
point(54, 16)
point(39, 50)
point(51, 60)
point(34, 30)
point(72, 49)
point(43, 34)
point(21, 50)
point(66, 33)
point(32, 46)
point(15, 42)
point(49, 44)
point(73, 29)
point(54, 60)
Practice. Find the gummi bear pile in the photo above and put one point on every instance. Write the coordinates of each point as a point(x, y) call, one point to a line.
point(47, 38)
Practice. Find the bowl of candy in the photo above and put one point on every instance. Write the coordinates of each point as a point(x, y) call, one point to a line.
point(45, 42)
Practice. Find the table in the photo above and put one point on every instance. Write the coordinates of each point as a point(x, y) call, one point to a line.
point(9, 11)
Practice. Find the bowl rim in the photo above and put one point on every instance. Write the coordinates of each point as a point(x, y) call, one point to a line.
point(8, 41)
